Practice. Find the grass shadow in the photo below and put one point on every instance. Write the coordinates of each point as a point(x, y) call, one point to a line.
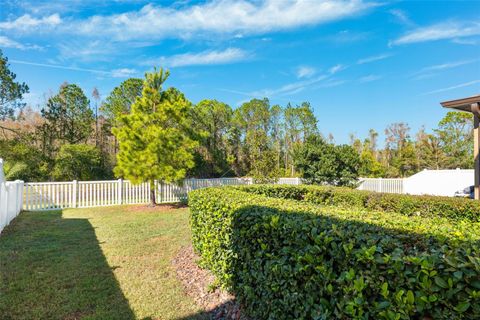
point(54, 268)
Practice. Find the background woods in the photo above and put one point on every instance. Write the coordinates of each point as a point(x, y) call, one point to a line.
point(70, 137)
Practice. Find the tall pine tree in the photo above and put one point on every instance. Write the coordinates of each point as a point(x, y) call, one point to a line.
point(155, 143)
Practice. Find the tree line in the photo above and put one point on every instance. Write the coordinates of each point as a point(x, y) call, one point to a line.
point(80, 136)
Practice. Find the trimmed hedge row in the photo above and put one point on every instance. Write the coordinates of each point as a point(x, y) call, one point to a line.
point(287, 259)
point(452, 208)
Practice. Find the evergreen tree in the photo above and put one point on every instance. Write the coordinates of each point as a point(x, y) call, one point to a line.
point(155, 142)
point(211, 123)
point(68, 115)
point(11, 92)
point(121, 99)
point(68, 119)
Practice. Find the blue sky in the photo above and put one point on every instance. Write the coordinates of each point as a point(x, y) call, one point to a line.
point(361, 64)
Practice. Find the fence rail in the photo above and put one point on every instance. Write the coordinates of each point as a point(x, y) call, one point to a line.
point(82, 194)
point(382, 185)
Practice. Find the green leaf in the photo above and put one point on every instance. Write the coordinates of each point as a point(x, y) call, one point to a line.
point(462, 306)
point(440, 282)
point(410, 297)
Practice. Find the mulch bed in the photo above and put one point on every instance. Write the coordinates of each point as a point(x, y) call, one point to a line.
point(218, 304)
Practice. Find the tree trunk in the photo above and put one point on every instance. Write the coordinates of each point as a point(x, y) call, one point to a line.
point(153, 203)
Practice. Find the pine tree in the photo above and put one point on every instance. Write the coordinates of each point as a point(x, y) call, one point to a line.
point(154, 140)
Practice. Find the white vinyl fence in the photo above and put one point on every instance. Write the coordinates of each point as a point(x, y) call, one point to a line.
point(294, 181)
point(382, 185)
point(11, 198)
point(81, 194)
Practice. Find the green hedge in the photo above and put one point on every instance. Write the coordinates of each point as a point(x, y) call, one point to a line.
point(452, 208)
point(288, 259)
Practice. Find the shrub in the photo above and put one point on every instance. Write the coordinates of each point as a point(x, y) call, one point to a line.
point(288, 259)
point(320, 162)
point(78, 162)
point(452, 208)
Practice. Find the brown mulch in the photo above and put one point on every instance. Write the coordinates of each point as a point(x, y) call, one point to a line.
point(219, 304)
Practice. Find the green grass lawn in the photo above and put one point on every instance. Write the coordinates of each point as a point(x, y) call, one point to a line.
point(99, 263)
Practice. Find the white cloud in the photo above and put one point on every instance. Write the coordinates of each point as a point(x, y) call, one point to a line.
point(305, 72)
point(27, 23)
point(9, 43)
point(370, 78)
point(373, 58)
point(337, 68)
point(461, 85)
point(123, 73)
point(441, 31)
point(232, 17)
point(209, 57)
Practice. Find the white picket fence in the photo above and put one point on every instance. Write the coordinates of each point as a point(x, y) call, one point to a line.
point(382, 185)
point(82, 194)
point(11, 198)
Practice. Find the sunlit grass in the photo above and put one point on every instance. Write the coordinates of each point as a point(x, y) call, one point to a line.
point(99, 263)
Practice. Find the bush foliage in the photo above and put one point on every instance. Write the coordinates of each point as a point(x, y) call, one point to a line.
point(452, 208)
point(290, 259)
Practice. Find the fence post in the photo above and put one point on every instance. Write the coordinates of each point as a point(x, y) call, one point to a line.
point(119, 191)
point(19, 184)
point(74, 193)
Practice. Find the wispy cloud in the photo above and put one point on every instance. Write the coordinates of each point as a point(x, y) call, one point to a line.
point(233, 17)
point(319, 81)
point(374, 58)
point(348, 36)
point(402, 17)
point(87, 50)
point(337, 68)
point(305, 72)
point(441, 31)
point(117, 73)
point(471, 42)
point(290, 88)
point(461, 85)
point(10, 43)
point(209, 57)
point(430, 71)
point(330, 83)
point(27, 23)
point(444, 66)
point(370, 78)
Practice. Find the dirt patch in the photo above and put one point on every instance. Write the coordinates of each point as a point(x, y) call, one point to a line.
point(196, 282)
point(158, 208)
